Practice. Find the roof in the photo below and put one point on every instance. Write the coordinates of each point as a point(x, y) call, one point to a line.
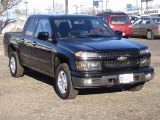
point(111, 13)
point(62, 15)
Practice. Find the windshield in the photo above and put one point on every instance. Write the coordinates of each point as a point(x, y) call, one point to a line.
point(156, 20)
point(120, 20)
point(82, 27)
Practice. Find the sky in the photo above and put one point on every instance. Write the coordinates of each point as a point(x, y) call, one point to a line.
point(115, 5)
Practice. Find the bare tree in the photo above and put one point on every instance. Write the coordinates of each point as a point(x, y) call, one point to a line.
point(7, 4)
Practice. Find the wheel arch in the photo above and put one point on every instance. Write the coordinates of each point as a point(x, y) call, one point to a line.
point(59, 59)
point(12, 48)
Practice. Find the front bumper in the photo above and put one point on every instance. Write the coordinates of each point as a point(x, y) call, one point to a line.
point(111, 79)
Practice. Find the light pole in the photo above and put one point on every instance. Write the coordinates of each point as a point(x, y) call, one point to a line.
point(141, 7)
point(53, 6)
point(66, 6)
point(81, 8)
point(137, 5)
point(26, 8)
point(147, 6)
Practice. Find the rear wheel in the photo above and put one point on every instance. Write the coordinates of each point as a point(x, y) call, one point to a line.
point(135, 87)
point(150, 35)
point(16, 69)
point(64, 87)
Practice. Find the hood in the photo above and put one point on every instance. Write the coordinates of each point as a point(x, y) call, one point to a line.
point(102, 44)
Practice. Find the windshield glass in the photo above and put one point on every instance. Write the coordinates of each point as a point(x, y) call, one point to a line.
point(156, 20)
point(120, 20)
point(82, 27)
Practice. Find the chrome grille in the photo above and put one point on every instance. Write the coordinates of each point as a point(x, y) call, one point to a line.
point(119, 54)
point(115, 64)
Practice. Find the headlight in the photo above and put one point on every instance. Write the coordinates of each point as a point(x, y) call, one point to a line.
point(144, 62)
point(88, 65)
point(144, 51)
point(86, 54)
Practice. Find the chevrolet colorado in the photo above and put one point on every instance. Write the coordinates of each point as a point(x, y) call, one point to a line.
point(78, 51)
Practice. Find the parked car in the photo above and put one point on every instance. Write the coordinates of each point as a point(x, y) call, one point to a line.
point(134, 18)
point(147, 26)
point(118, 21)
point(78, 51)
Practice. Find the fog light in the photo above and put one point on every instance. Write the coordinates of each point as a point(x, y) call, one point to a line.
point(148, 76)
point(88, 81)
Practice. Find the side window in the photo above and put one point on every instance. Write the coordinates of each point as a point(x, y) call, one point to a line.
point(146, 21)
point(137, 22)
point(44, 26)
point(31, 26)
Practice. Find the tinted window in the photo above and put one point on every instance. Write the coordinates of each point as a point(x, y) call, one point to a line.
point(156, 20)
point(145, 21)
point(120, 20)
point(44, 26)
point(82, 27)
point(137, 22)
point(31, 26)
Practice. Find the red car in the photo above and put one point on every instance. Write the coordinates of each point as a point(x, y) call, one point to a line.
point(118, 21)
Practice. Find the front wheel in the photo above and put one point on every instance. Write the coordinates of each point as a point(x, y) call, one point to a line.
point(135, 87)
point(64, 87)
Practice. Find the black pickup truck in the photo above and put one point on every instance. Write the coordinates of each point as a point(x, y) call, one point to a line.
point(78, 51)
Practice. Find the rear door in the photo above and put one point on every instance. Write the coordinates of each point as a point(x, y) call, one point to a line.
point(25, 43)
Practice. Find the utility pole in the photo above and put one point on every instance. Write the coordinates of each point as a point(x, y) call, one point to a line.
point(26, 8)
point(76, 8)
point(102, 5)
point(66, 6)
point(107, 5)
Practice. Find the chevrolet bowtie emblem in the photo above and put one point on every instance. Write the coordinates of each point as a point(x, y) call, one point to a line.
point(122, 58)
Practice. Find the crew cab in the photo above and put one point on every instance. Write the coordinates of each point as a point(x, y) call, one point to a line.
point(78, 52)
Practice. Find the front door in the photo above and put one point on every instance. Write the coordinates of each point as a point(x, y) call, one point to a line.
point(43, 51)
point(136, 27)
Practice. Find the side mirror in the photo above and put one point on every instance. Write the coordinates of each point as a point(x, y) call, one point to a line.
point(43, 35)
point(119, 33)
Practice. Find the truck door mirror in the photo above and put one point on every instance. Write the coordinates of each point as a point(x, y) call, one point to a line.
point(119, 33)
point(43, 35)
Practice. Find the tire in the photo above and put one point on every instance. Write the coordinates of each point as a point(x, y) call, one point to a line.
point(16, 69)
point(135, 87)
point(63, 84)
point(149, 35)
